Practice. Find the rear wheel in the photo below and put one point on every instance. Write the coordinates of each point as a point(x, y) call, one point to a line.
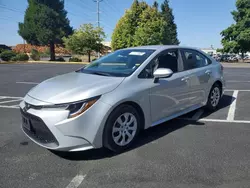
point(214, 97)
point(122, 128)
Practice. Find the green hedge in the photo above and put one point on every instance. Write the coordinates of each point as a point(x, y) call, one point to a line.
point(35, 55)
point(75, 59)
point(7, 55)
point(22, 57)
point(60, 59)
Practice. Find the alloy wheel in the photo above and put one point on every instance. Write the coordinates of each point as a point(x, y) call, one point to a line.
point(215, 97)
point(124, 129)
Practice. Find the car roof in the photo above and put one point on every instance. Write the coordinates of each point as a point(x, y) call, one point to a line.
point(162, 47)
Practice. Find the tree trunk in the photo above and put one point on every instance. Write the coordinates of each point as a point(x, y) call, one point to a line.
point(52, 51)
point(89, 54)
point(242, 56)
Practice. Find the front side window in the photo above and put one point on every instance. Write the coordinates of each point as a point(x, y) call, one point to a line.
point(193, 59)
point(167, 59)
point(119, 63)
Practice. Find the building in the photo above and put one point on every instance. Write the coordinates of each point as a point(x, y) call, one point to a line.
point(210, 51)
point(108, 44)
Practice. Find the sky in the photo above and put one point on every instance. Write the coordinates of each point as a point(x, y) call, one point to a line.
point(199, 22)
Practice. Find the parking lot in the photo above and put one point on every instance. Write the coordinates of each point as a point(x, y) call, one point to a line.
point(199, 149)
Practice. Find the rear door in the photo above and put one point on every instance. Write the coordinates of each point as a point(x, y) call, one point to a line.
point(199, 74)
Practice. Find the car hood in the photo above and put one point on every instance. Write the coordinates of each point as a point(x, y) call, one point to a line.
point(73, 87)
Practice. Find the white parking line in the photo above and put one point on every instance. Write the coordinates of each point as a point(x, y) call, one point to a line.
point(216, 120)
point(76, 181)
point(11, 107)
point(246, 90)
point(236, 81)
point(3, 102)
point(9, 97)
point(32, 83)
point(231, 112)
point(197, 115)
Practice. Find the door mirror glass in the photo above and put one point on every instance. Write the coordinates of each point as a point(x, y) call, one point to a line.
point(163, 73)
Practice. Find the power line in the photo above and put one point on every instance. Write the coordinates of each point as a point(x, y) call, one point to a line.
point(107, 26)
point(111, 6)
point(84, 4)
point(78, 5)
point(11, 9)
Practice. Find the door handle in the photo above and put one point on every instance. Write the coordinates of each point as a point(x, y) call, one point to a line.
point(185, 79)
point(208, 72)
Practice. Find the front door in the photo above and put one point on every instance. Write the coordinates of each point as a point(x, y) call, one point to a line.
point(169, 95)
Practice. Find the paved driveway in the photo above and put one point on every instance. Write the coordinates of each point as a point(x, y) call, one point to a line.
point(196, 150)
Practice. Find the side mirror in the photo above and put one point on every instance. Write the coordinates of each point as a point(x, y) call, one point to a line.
point(162, 73)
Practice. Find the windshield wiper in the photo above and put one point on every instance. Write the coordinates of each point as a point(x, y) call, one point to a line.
point(101, 73)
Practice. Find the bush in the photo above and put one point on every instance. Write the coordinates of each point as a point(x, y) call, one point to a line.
point(22, 57)
point(60, 59)
point(14, 58)
point(75, 59)
point(35, 55)
point(7, 55)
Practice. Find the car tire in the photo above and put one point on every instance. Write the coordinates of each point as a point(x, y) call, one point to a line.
point(214, 97)
point(117, 128)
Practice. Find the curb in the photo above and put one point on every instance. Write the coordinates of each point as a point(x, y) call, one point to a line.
point(44, 62)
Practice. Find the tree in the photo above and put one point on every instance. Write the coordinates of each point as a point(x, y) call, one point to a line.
point(170, 28)
point(123, 35)
point(156, 5)
point(45, 23)
point(85, 40)
point(236, 38)
point(151, 28)
point(145, 25)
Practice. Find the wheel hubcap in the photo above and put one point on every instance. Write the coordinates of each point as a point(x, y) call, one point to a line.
point(124, 129)
point(215, 96)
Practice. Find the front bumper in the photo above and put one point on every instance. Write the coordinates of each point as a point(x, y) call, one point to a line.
point(52, 129)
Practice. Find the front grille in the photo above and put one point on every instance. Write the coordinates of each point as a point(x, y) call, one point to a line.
point(39, 131)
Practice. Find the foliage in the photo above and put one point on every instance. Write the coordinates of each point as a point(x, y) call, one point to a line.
point(151, 28)
point(45, 23)
point(145, 25)
point(170, 29)
point(7, 55)
point(75, 59)
point(22, 57)
point(45, 50)
point(61, 59)
point(14, 58)
point(156, 4)
point(4, 48)
point(35, 55)
point(123, 35)
point(85, 40)
point(236, 38)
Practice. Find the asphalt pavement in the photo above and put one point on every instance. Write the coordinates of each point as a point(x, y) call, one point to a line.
point(197, 150)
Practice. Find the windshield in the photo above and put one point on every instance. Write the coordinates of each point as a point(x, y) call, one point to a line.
point(119, 63)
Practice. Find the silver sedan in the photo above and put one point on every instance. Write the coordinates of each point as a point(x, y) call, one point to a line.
point(108, 102)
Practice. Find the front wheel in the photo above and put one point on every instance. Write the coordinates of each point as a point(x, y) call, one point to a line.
point(214, 98)
point(121, 129)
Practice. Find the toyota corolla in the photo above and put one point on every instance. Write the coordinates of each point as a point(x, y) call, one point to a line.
point(109, 101)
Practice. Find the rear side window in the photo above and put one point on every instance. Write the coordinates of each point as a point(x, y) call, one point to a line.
point(193, 59)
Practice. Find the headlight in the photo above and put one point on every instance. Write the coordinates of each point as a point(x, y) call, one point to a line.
point(75, 109)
